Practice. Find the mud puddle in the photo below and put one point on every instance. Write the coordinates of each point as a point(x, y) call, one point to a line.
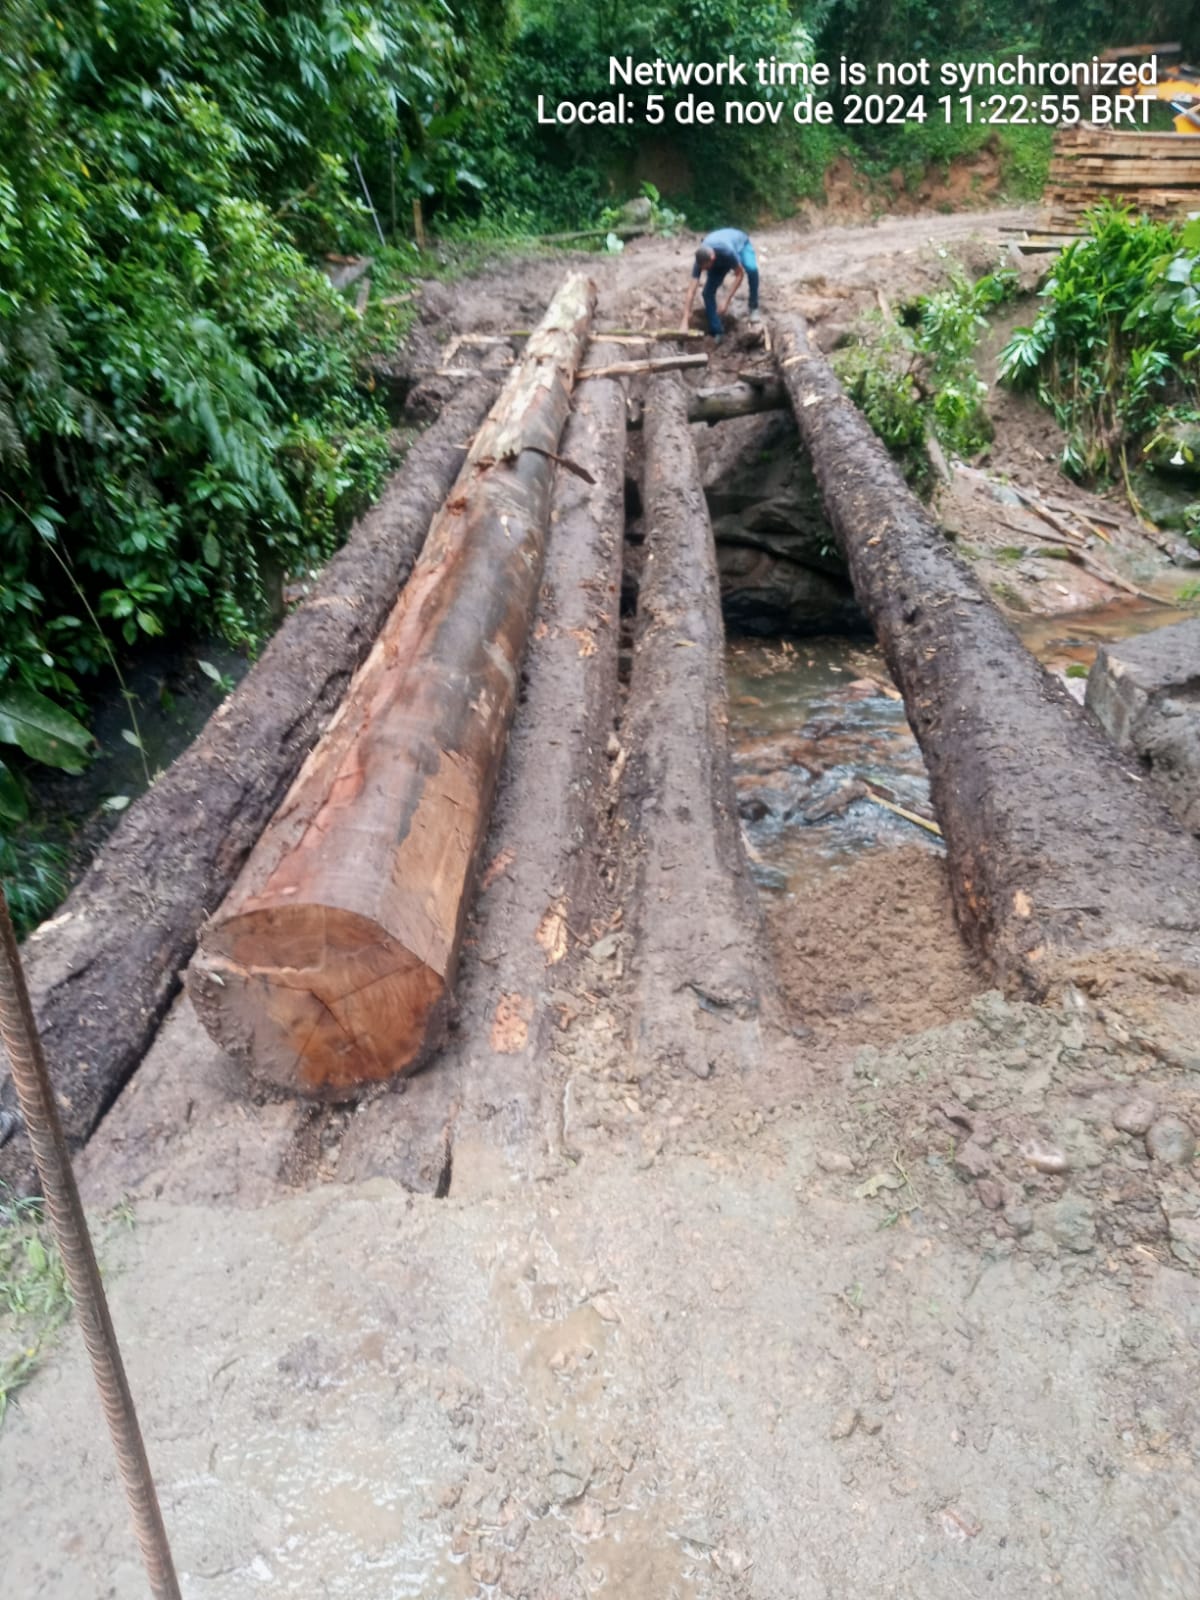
point(1068, 643)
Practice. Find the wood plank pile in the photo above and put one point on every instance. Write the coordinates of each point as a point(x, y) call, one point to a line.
point(1158, 173)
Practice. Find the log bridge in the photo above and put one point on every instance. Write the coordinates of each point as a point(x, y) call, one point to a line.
point(324, 837)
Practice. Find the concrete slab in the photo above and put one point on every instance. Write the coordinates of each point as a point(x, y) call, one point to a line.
point(1145, 692)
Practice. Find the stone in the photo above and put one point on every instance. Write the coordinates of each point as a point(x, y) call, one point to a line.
point(1142, 693)
point(1134, 1117)
point(1072, 1224)
point(972, 1160)
point(1176, 448)
point(844, 1423)
point(991, 1193)
point(636, 213)
point(834, 1161)
point(1171, 1141)
point(1045, 1157)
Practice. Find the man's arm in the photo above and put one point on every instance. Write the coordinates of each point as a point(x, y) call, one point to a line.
point(687, 310)
point(736, 286)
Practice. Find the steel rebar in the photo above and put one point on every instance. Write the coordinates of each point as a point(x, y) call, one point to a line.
point(27, 1061)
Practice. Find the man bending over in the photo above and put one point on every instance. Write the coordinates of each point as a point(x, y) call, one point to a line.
point(725, 250)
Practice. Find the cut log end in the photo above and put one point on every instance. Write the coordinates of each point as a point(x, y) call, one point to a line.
point(317, 1001)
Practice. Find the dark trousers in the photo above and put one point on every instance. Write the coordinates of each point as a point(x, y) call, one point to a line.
point(714, 278)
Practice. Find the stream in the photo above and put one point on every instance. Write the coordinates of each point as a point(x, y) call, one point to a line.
point(817, 727)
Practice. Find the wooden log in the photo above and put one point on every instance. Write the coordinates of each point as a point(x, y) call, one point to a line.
point(735, 400)
point(701, 976)
point(493, 1103)
point(598, 336)
point(331, 963)
point(1062, 864)
point(742, 399)
point(104, 970)
point(635, 369)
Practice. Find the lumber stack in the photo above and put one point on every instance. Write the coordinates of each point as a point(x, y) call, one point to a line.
point(331, 962)
point(1158, 173)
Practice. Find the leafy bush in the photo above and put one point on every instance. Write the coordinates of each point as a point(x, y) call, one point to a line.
point(916, 377)
point(1113, 349)
point(180, 413)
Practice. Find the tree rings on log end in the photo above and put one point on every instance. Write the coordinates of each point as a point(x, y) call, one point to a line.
point(315, 1000)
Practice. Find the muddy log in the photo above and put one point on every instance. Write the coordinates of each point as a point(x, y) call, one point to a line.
point(1058, 853)
point(538, 909)
point(701, 969)
point(736, 400)
point(731, 400)
point(104, 970)
point(331, 962)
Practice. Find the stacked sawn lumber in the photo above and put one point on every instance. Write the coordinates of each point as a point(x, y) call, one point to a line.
point(1158, 173)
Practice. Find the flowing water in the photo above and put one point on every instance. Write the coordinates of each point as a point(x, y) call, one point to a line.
point(817, 727)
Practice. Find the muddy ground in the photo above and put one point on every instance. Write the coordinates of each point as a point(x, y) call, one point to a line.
point(911, 1311)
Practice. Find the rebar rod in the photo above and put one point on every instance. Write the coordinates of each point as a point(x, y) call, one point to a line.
point(40, 1111)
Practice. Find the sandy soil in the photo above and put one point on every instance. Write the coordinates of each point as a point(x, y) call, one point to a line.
point(913, 1312)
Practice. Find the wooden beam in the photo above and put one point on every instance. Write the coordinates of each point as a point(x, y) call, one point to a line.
point(634, 369)
point(331, 964)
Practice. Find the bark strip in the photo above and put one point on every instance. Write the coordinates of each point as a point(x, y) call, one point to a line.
point(700, 963)
point(331, 963)
point(1057, 852)
point(104, 970)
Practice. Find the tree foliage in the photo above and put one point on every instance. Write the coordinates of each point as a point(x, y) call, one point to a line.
point(1113, 349)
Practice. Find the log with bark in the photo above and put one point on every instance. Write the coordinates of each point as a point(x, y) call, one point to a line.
point(741, 399)
point(1058, 853)
point(331, 963)
point(702, 983)
point(104, 970)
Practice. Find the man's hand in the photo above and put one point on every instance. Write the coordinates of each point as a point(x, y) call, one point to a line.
point(683, 326)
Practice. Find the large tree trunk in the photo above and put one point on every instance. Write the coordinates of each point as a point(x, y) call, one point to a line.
point(702, 973)
point(491, 1102)
point(1057, 852)
point(103, 971)
point(331, 963)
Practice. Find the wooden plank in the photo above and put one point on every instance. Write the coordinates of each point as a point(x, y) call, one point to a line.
point(1139, 174)
point(632, 369)
point(1118, 52)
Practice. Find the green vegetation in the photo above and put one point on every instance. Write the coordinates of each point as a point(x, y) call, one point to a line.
point(35, 1301)
point(915, 378)
point(1113, 349)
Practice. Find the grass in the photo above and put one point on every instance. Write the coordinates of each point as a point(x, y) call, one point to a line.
point(35, 1303)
